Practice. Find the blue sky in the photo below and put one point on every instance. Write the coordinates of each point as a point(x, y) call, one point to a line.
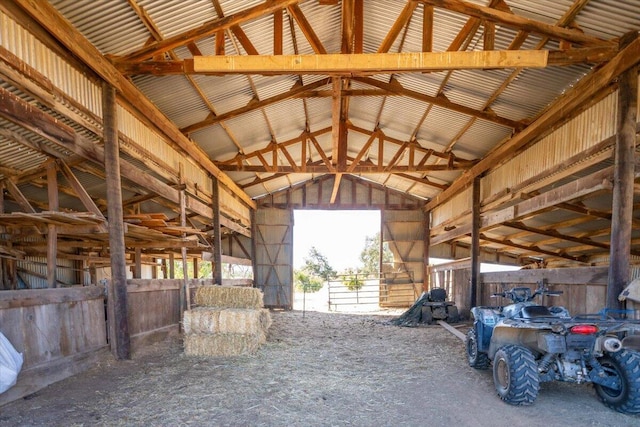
point(338, 235)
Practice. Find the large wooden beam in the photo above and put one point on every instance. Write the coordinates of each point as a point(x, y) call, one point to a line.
point(518, 22)
point(365, 63)
point(623, 183)
point(577, 97)
point(216, 232)
point(475, 243)
point(52, 232)
point(117, 298)
point(47, 16)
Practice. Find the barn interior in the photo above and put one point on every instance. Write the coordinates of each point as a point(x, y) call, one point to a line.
point(141, 135)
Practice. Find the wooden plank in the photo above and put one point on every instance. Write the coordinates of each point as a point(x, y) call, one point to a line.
point(579, 275)
point(453, 330)
point(35, 297)
point(349, 64)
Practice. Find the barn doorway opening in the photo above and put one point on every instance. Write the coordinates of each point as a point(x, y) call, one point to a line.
point(344, 243)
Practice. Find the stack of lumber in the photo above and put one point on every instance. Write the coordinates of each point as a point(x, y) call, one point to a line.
point(228, 321)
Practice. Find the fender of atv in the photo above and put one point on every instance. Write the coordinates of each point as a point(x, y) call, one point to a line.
point(485, 320)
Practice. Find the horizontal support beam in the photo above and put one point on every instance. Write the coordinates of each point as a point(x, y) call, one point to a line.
point(323, 168)
point(367, 63)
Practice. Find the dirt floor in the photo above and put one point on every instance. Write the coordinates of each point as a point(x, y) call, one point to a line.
point(317, 369)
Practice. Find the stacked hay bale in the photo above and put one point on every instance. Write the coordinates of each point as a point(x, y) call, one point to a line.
point(227, 321)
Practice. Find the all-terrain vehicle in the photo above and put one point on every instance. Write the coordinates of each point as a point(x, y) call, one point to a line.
point(529, 343)
point(436, 307)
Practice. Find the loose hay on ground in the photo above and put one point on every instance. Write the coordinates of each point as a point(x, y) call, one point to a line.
point(316, 369)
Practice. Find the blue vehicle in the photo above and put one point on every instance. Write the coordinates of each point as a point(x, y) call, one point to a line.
point(528, 343)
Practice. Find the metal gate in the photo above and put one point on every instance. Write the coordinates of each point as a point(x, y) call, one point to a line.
point(273, 264)
point(367, 295)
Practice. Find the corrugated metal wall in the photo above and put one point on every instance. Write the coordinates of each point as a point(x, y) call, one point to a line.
point(586, 130)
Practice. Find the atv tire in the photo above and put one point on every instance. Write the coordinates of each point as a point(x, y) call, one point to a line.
point(515, 375)
point(476, 358)
point(625, 365)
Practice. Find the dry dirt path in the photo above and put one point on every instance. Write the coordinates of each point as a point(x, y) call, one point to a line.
point(322, 369)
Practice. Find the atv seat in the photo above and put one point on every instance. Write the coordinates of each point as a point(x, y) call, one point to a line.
point(531, 311)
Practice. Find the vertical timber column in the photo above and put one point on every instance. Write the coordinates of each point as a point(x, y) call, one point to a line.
point(623, 177)
point(52, 231)
point(427, 244)
point(217, 238)
point(475, 242)
point(185, 295)
point(118, 324)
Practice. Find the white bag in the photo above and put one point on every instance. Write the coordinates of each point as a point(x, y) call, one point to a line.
point(10, 364)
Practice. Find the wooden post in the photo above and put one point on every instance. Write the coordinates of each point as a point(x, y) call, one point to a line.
point(217, 238)
point(137, 266)
point(254, 248)
point(475, 242)
point(52, 232)
point(623, 177)
point(172, 266)
point(426, 244)
point(117, 296)
point(185, 296)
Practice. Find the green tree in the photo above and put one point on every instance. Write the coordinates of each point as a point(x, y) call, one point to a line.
point(370, 255)
point(318, 265)
point(306, 283)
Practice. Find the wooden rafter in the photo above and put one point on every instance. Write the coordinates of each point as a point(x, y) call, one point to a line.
point(441, 101)
point(529, 248)
point(417, 161)
point(518, 22)
point(207, 29)
point(254, 105)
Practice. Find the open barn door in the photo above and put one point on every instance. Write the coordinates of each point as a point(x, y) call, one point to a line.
point(403, 231)
point(273, 264)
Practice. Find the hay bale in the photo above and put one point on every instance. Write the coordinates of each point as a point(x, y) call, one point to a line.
point(229, 297)
point(222, 344)
point(210, 320)
point(201, 320)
